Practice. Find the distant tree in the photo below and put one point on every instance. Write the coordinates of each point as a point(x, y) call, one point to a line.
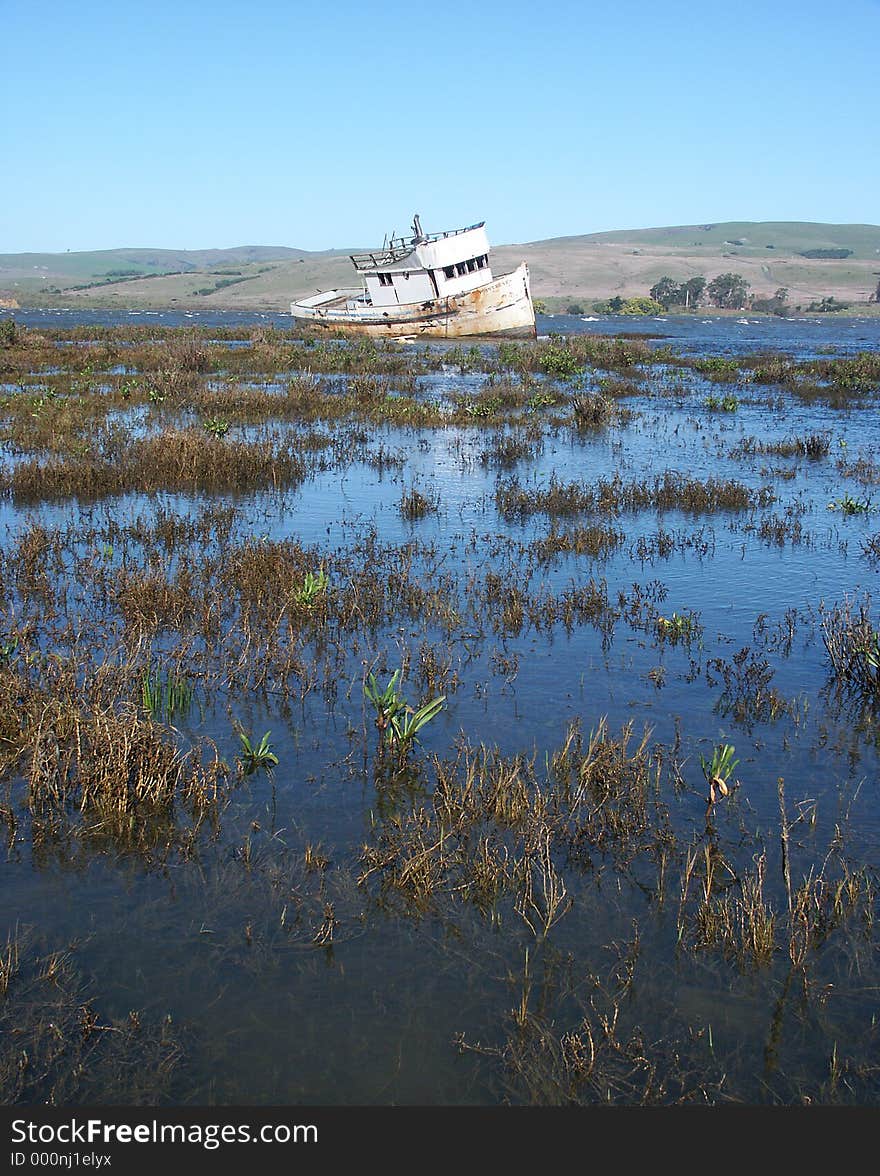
point(666, 292)
point(827, 254)
point(728, 291)
point(641, 306)
point(540, 305)
point(775, 305)
point(575, 308)
point(609, 305)
point(692, 291)
point(828, 305)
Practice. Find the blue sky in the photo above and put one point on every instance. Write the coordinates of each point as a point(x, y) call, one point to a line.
point(327, 125)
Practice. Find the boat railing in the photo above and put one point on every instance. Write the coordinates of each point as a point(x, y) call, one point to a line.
point(381, 257)
point(400, 247)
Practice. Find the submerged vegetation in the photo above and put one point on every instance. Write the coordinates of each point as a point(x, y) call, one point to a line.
point(488, 723)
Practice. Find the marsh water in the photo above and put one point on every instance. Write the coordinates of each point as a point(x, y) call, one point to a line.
point(601, 604)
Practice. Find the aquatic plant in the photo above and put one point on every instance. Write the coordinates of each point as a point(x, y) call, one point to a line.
point(485, 406)
point(219, 426)
point(386, 701)
point(540, 400)
point(591, 409)
point(398, 723)
point(678, 627)
point(165, 694)
point(254, 756)
point(718, 770)
point(415, 505)
point(405, 724)
point(314, 586)
point(853, 647)
point(722, 403)
point(848, 505)
point(717, 368)
point(557, 359)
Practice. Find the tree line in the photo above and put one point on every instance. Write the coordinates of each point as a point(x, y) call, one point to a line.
point(727, 292)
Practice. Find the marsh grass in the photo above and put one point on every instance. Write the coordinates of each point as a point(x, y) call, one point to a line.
point(94, 765)
point(596, 541)
point(523, 869)
point(510, 449)
point(417, 504)
point(591, 410)
point(59, 1050)
point(669, 491)
point(852, 645)
point(185, 459)
point(165, 694)
point(813, 446)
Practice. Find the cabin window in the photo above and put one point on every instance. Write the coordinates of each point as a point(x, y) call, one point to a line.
point(461, 269)
point(385, 280)
point(449, 271)
point(481, 261)
point(471, 264)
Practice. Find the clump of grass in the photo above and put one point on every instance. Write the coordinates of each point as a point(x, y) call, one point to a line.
point(871, 546)
point(671, 491)
point(813, 445)
point(98, 768)
point(598, 541)
point(678, 627)
point(559, 360)
point(848, 505)
point(727, 403)
point(591, 410)
point(748, 691)
point(853, 647)
point(483, 407)
point(185, 459)
point(731, 912)
point(8, 332)
point(57, 1048)
point(777, 529)
point(510, 449)
point(717, 368)
point(165, 695)
point(816, 445)
point(415, 505)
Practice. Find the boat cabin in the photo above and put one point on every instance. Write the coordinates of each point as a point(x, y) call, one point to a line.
point(424, 267)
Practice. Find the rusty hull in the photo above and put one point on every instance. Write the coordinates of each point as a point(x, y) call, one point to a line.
point(503, 307)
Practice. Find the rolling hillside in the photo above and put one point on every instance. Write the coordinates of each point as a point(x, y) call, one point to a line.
point(564, 269)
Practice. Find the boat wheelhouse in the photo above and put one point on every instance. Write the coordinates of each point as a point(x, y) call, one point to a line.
point(438, 285)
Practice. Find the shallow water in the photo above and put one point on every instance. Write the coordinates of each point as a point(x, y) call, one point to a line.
point(270, 1016)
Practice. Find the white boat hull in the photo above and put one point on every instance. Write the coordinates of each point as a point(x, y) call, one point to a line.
point(501, 307)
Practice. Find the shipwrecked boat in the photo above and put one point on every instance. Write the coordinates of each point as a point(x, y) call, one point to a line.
point(438, 285)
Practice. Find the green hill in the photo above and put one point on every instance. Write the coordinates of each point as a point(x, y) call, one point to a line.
point(768, 254)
